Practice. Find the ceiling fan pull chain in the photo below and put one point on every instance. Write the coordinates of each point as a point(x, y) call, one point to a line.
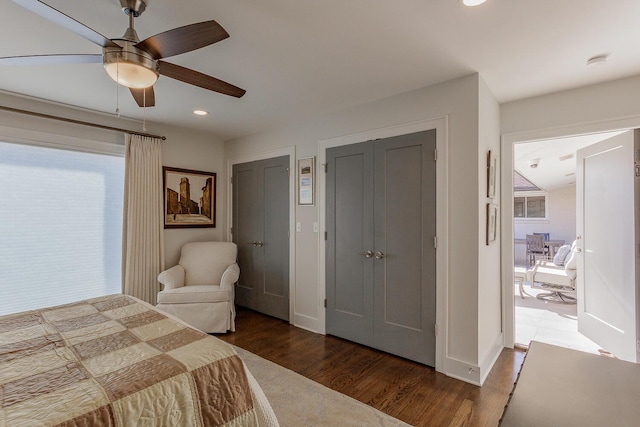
point(144, 110)
point(117, 96)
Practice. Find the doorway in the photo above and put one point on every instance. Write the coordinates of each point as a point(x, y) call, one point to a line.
point(541, 320)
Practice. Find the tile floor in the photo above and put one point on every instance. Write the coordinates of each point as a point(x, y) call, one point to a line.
point(548, 322)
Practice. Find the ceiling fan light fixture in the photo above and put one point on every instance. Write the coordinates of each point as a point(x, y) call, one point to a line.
point(131, 75)
point(130, 67)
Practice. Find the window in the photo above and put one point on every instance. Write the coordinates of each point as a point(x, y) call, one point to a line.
point(60, 225)
point(530, 206)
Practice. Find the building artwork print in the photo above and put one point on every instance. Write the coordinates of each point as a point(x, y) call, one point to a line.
point(189, 198)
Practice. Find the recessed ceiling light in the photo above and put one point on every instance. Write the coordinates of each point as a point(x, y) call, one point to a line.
point(472, 2)
point(597, 60)
point(200, 112)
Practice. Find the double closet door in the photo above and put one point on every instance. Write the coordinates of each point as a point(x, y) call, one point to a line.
point(261, 231)
point(380, 256)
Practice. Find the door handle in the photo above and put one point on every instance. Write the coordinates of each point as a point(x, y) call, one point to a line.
point(259, 244)
point(367, 254)
point(380, 255)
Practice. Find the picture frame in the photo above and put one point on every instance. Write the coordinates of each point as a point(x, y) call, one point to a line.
point(189, 198)
point(306, 181)
point(492, 166)
point(492, 223)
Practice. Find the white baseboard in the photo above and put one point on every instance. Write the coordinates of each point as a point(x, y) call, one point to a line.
point(471, 373)
point(490, 357)
point(306, 322)
point(463, 371)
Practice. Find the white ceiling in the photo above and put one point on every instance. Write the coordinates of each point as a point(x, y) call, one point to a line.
point(301, 58)
point(555, 159)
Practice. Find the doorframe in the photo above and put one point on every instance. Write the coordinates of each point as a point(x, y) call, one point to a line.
point(287, 151)
point(506, 195)
point(440, 124)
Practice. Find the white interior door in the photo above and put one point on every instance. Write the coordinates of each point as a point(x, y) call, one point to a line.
point(607, 282)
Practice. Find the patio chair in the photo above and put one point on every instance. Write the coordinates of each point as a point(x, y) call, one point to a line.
point(536, 248)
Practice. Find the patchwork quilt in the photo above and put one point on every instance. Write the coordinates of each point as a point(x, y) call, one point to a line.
point(117, 361)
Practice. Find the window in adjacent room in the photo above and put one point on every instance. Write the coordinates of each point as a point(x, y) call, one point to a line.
point(60, 225)
point(529, 201)
point(530, 206)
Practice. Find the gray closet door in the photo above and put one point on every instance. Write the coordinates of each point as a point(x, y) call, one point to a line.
point(405, 258)
point(245, 233)
point(261, 231)
point(349, 260)
point(381, 198)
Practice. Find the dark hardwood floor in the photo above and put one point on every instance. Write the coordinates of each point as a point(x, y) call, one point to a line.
point(411, 392)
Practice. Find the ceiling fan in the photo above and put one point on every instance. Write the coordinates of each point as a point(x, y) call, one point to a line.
point(129, 61)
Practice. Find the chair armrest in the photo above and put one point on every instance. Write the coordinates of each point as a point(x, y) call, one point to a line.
point(230, 276)
point(172, 278)
point(532, 271)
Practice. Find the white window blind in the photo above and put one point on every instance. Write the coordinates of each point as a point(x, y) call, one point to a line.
point(60, 226)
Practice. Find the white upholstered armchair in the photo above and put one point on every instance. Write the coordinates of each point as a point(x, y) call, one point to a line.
point(558, 277)
point(200, 289)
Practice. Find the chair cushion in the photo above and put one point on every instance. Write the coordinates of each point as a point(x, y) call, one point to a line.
point(571, 263)
point(562, 254)
point(554, 275)
point(193, 294)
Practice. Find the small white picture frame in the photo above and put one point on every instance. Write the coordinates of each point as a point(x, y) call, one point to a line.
point(492, 223)
point(306, 181)
point(492, 166)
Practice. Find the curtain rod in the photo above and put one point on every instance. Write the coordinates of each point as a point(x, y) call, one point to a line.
point(79, 122)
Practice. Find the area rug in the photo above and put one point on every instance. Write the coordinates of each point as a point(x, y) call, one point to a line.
point(562, 387)
point(299, 401)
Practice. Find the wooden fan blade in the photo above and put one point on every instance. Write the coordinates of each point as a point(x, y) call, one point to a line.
point(198, 79)
point(51, 59)
point(65, 21)
point(144, 97)
point(183, 39)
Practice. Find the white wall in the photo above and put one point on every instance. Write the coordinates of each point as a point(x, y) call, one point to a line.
point(490, 341)
point(458, 100)
point(186, 149)
point(579, 109)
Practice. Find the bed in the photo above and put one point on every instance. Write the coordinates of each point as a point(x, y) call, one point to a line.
point(118, 361)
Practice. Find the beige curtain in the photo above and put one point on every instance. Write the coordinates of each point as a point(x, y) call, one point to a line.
point(143, 230)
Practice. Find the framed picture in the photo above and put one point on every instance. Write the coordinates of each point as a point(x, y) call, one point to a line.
point(189, 198)
point(492, 223)
point(306, 181)
point(492, 164)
